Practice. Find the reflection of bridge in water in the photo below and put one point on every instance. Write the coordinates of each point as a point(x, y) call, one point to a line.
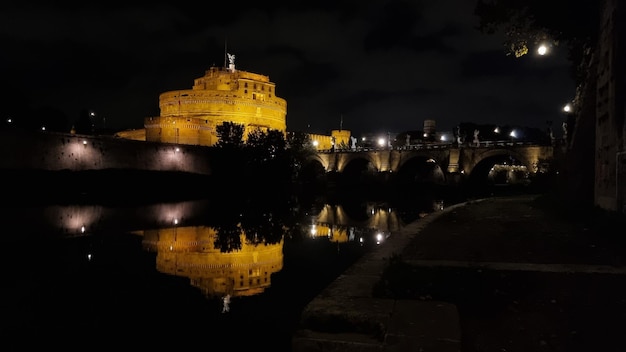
point(378, 217)
point(334, 222)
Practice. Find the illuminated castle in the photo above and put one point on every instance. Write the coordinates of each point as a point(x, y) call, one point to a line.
point(221, 95)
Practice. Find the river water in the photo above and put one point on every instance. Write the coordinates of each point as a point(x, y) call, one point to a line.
point(186, 274)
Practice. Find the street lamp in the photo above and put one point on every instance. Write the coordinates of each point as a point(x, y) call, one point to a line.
point(542, 49)
point(567, 108)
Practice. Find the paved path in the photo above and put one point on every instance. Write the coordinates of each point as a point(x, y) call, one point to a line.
point(547, 268)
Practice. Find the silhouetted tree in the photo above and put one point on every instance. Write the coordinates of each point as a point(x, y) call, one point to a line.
point(267, 159)
point(530, 22)
point(262, 226)
point(300, 149)
point(229, 160)
point(230, 135)
point(266, 145)
point(228, 237)
point(84, 124)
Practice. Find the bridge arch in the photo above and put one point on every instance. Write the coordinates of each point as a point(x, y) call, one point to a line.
point(313, 174)
point(357, 167)
point(420, 169)
point(375, 161)
point(320, 159)
point(516, 155)
point(516, 167)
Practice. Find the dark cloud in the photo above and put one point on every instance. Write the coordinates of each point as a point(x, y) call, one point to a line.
point(384, 66)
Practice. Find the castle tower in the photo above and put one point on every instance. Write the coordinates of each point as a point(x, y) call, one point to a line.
point(221, 95)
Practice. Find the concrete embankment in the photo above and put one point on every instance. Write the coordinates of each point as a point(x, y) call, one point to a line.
point(347, 317)
point(515, 273)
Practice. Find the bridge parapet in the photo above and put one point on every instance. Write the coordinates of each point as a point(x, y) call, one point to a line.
point(448, 156)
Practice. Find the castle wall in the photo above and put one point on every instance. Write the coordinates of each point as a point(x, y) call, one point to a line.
point(22, 150)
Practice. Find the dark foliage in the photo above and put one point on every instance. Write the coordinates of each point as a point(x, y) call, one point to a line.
point(529, 22)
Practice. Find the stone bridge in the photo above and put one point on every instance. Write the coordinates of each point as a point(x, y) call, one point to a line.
point(445, 159)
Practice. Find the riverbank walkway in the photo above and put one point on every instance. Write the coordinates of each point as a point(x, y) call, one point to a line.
point(513, 273)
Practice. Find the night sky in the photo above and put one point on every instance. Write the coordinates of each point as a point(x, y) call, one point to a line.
point(365, 66)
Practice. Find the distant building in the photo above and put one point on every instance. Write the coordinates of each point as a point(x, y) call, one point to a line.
point(338, 140)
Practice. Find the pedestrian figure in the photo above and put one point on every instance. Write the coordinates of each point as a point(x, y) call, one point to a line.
point(226, 302)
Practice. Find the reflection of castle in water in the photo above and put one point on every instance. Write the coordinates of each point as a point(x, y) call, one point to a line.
point(190, 252)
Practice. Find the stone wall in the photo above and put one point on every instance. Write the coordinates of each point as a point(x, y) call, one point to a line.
point(22, 150)
point(610, 145)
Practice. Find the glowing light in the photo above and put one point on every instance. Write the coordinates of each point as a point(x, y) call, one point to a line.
point(513, 134)
point(567, 108)
point(381, 142)
point(84, 142)
point(542, 49)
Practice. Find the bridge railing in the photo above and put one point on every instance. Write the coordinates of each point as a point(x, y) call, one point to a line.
point(430, 146)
